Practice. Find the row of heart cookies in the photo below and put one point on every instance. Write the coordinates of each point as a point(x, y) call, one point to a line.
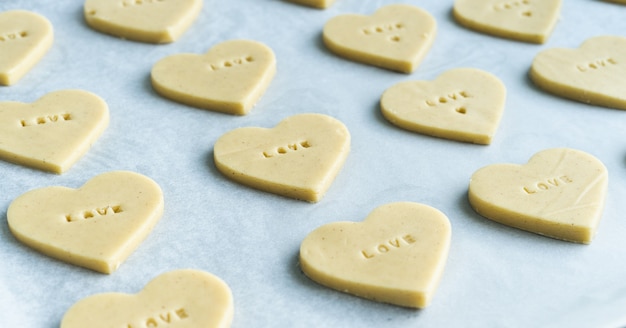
point(461, 104)
point(523, 20)
point(558, 193)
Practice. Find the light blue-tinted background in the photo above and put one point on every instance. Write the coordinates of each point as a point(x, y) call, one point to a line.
point(495, 276)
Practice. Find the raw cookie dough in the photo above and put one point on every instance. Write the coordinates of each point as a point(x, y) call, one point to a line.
point(314, 3)
point(299, 158)
point(152, 21)
point(594, 74)
point(55, 131)
point(522, 20)
point(462, 104)
point(559, 193)
point(230, 78)
point(96, 226)
point(182, 299)
point(395, 37)
point(397, 255)
point(25, 37)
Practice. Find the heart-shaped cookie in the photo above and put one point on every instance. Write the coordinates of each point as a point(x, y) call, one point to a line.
point(54, 132)
point(314, 3)
point(522, 20)
point(559, 193)
point(395, 37)
point(96, 226)
point(230, 78)
point(462, 104)
point(182, 299)
point(299, 158)
point(594, 74)
point(397, 255)
point(153, 21)
point(25, 37)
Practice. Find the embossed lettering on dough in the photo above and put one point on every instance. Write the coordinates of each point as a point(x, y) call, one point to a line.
point(522, 4)
point(385, 29)
point(163, 319)
point(548, 184)
point(445, 99)
point(231, 63)
point(127, 3)
point(288, 149)
point(46, 119)
point(388, 246)
point(596, 64)
point(5, 37)
point(103, 211)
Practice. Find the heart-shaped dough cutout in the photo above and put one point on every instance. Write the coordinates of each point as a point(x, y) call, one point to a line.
point(462, 104)
point(314, 3)
point(395, 37)
point(52, 133)
point(230, 78)
point(25, 37)
point(594, 74)
point(559, 193)
point(182, 299)
point(96, 226)
point(152, 21)
point(522, 20)
point(299, 158)
point(397, 255)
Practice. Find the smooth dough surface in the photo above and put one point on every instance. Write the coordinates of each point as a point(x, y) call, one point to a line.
point(462, 104)
point(299, 158)
point(96, 226)
point(179, 299)
point(53, 132)
point(397, 255)
point(594, 74)
point(229, 78)
point(395, 37)
point(152, 21)
point(314, 3)
point(25, 37)
point(559, 193)
point(522, 20)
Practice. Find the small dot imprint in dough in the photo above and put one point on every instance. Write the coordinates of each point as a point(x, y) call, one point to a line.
point(461, 110)
point(527, 14)
point(395, 38)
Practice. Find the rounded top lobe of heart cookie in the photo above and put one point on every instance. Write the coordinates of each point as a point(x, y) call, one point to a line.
point(181, 298)
point(24, 38)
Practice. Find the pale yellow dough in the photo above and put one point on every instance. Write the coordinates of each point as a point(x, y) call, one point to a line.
point(559, 193)
point(152, 21)
point(96, 226)
point(25, 37)
point(229, 78)
point(522, 20)
point(594, 74)
point(462, 104)
point(299, 158)
point(397, 255)
point(395, 37)
point(314, 3)
point(52, 133)
point(177, 299)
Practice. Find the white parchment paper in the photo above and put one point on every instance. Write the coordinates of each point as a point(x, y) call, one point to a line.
point(495, 276)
